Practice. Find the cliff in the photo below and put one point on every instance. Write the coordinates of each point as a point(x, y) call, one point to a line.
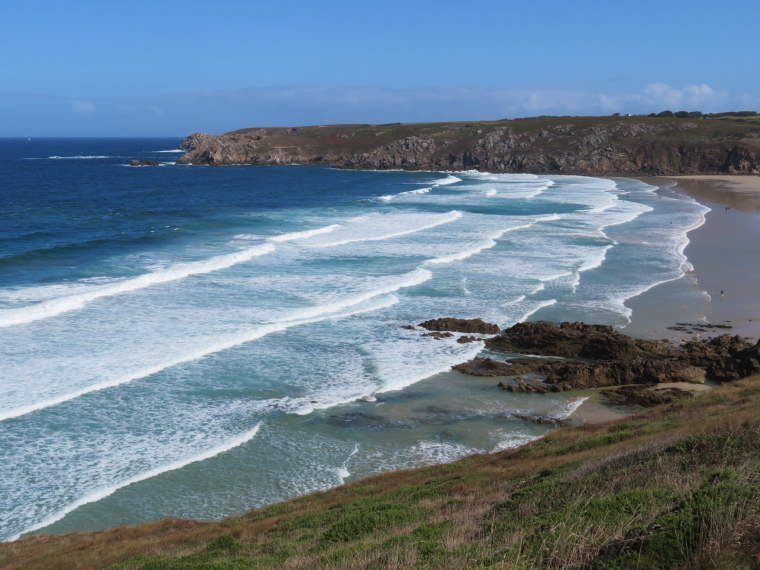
point(548, 145)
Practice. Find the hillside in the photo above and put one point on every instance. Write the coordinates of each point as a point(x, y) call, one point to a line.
point(548, 145)
point(676, 486)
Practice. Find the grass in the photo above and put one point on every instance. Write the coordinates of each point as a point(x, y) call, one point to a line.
point(676, 486)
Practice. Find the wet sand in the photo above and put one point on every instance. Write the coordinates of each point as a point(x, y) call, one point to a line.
point(725, 254)
point(725, 251)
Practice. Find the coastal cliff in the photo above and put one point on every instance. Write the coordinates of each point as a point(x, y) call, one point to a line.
point(547, 145)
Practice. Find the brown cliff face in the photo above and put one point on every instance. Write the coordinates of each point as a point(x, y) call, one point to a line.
point(548, 145)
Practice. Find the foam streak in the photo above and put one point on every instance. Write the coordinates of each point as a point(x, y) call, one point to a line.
point(303, 317)
point(104, 492)
point(55, 307)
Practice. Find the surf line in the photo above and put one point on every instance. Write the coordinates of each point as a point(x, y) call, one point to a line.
point(55, 307)
point(104, 492)
point(306, 316)
point(453, 215)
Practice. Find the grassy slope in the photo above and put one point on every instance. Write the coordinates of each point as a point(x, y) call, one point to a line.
point(673, 487)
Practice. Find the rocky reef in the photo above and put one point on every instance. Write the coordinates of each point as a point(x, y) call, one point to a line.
point(461, 325)
point(548, 145)
point(593, 356)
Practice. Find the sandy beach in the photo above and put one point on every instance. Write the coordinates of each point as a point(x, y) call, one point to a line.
point(725, 251)
point(725, 254)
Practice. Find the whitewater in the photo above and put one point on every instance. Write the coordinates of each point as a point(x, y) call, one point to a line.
point(163, 328)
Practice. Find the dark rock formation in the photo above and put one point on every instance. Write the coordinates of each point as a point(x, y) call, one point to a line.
point(577, 374)
point(611, 358)
point(645, 396)
point(439, 335)
point(556, 422)
point(550, 145)
point(143, 163)
point(725, 357)
point(576, 340)
point(466, 339)
point(460, 325)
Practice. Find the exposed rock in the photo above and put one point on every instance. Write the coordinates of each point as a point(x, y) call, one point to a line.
point(556, 422)
point(487, 367)
point(466, 339)
point(645, 396)
point(408, 327)
point(460, 325)
point(576, 340)
point(143, 163)
point(551, 145)
point(577, 374)
point(439, 335)
point(614, 358)
point(725, 357)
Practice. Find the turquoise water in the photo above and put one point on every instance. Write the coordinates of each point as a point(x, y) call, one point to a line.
point(193, 342)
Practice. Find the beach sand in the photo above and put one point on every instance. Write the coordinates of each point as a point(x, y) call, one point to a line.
point(725, 254)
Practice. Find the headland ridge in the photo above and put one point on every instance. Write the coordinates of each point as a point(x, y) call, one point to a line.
point(597, 146)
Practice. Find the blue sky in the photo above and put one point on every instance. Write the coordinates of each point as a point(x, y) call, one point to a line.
point(83, 68)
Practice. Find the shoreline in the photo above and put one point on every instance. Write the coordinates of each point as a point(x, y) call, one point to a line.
point(733, 219)
point(592, 410)
point(725, 250)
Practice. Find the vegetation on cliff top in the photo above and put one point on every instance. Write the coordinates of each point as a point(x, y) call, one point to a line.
point(548, 145)
point(676, 486)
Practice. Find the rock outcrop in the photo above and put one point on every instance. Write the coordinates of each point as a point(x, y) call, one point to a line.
point(561, 375)
point(609, 358)
point(726, 357)
point(645, 396)
point(576, 340)
point(549, 145)
point(460, 325)
point(143, 163)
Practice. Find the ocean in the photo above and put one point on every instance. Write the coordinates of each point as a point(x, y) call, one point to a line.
point(195, 342)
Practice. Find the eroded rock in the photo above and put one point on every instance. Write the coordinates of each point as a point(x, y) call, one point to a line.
point(645, 396)
point(460, 325)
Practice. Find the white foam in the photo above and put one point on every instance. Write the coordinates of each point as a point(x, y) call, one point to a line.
point(513, 440)
point(418, 191)
point(570, 406)
point(540, 305)
point(305, 234)
point(440, 220)
point(343, 471)
point(446, 181)
point(301, 317)
point(595, 262)
point(174, 150)
point(104, 492)
point(77, 157)
point(491, 242)
point(490, 193)
point(55, 307)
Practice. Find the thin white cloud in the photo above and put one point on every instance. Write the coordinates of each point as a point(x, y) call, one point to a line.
point(82, 107)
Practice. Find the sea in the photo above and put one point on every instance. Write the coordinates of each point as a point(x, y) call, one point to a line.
point(194, 341)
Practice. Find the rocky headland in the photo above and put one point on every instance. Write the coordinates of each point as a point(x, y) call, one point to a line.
point(547, 145)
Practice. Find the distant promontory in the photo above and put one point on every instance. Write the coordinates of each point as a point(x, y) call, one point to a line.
point(607, 146)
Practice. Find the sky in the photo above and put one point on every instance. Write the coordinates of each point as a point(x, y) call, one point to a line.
point(158, 68)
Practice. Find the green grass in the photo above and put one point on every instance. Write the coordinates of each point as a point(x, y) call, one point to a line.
point(673, 487)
